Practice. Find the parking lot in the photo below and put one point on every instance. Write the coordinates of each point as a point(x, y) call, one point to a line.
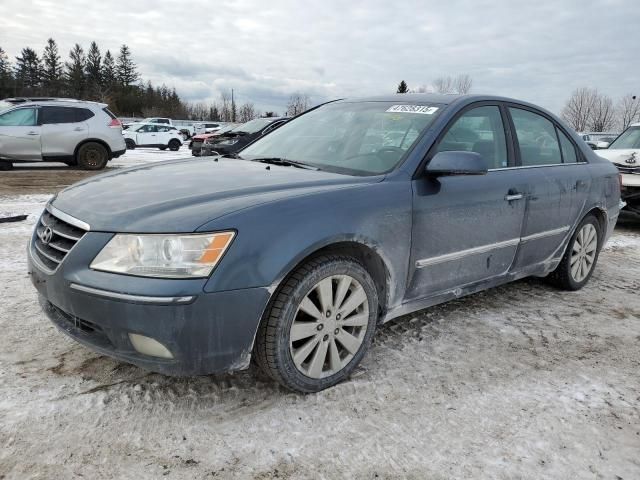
point(522, 381)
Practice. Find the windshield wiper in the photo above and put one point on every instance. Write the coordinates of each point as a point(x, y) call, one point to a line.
point(284, 162)
point(232, 155)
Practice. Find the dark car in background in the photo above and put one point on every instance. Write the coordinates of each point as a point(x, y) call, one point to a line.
point(294, 250)
point(195, 145)
point(240, 136)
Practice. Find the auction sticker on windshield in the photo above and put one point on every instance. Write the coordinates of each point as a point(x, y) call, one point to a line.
point(423, 109)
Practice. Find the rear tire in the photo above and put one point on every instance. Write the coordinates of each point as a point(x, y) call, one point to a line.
point(131, 145)
point(319, 324)
point(92, 156)
point(579, 260)
point(174, 145)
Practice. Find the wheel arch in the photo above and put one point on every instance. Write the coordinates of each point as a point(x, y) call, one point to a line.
point(92, 140)
point(367, 253)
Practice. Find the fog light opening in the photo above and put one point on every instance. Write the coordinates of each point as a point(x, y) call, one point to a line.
point(149, 346)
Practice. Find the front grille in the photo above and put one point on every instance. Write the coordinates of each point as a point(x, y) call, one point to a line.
point(77, 326)
point(624, 169)
point(54, 239)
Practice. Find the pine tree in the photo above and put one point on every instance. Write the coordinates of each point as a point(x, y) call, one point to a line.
point(28, 71)
point(76, 80)
point(125, 68)
point(6, 77)
point(52, 69)
point(108, 71)
point(93, 71)
point(402, 87)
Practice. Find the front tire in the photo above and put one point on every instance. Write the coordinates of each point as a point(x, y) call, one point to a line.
point(174, 145)
point(579, 261)
point(92, 156)
point(131, 145)
point(319, 324)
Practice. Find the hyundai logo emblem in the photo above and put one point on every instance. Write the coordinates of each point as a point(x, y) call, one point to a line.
point(632, 159)
point(46, 236)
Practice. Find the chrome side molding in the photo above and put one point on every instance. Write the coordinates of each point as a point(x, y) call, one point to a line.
point(130, 298)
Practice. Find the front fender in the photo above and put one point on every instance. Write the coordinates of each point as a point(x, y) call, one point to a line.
point(273, 238)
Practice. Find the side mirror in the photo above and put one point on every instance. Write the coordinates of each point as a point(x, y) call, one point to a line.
point(457, 163)
point(603, 145)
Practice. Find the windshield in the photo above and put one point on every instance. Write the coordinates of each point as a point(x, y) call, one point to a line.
point(253, 126)
point(360, 138)
point(630, 138)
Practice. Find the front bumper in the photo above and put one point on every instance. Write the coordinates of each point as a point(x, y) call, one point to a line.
point(205, 332)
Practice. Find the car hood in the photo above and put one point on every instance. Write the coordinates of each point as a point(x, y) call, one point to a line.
point(181, 195)
point(622, 156)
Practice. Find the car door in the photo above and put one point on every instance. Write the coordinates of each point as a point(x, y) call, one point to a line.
point(63, 128)
point(164, 134)
point(557, 184)
point(466, 228)
point(147, 135)
point(20, 134)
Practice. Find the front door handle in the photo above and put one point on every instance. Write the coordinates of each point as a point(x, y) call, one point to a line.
point(510, 197)
point(78, 129)
point(32, 133)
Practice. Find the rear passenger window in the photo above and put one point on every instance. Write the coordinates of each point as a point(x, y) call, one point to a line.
point(568, 150)
point(536, 137)
point(57, 115)
point(83, 114)
point(478, 130)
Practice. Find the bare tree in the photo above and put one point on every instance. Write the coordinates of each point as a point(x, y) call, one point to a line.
point(603, 114)
point(462, 83)
point(459, 84)
point(247, 112)
point(443, 85)
point(297, 104)
point(225, 107)
point(578, 110)
point(628, 110)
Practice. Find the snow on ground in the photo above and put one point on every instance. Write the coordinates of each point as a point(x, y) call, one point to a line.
point(522, 381)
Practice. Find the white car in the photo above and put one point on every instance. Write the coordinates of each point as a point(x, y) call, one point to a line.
point(152, 135)
point(206, 127)
point(161, 120)
point(624, 152)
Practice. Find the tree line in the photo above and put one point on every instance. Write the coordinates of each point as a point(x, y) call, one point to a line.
point(111, 79)
point(588, 110)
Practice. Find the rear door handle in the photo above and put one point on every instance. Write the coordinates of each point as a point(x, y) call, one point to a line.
point(78, 129)
point(32, 133)
point(513, 196)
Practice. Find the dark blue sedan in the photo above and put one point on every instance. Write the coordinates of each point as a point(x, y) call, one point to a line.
point(295, 249)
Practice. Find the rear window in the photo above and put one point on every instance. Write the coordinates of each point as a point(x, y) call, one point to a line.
point(108, 112)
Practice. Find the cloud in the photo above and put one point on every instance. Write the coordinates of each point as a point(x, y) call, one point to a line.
point(537, 51)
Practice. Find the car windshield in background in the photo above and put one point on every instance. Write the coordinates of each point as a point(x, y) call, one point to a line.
point(630, 138)
point(356, 138)
point(5, 106)
point(253, 126)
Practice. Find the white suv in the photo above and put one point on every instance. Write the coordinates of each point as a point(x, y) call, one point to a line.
point(153, 135)
point(75, 132)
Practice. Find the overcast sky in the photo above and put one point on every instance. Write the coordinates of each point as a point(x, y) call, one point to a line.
point(536, 50)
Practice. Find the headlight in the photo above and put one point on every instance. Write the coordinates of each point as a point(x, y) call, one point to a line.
point(164, 256)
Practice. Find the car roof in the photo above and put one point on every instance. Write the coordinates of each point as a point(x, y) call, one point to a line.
point(48, 101)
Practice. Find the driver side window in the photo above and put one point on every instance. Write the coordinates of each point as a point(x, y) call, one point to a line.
point(478, 130)
point(22, 117)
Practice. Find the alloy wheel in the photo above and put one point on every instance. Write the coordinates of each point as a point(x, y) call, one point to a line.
point(584, 252)
point(329, 327)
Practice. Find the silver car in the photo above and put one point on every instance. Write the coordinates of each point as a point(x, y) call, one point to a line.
point(75, 132)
